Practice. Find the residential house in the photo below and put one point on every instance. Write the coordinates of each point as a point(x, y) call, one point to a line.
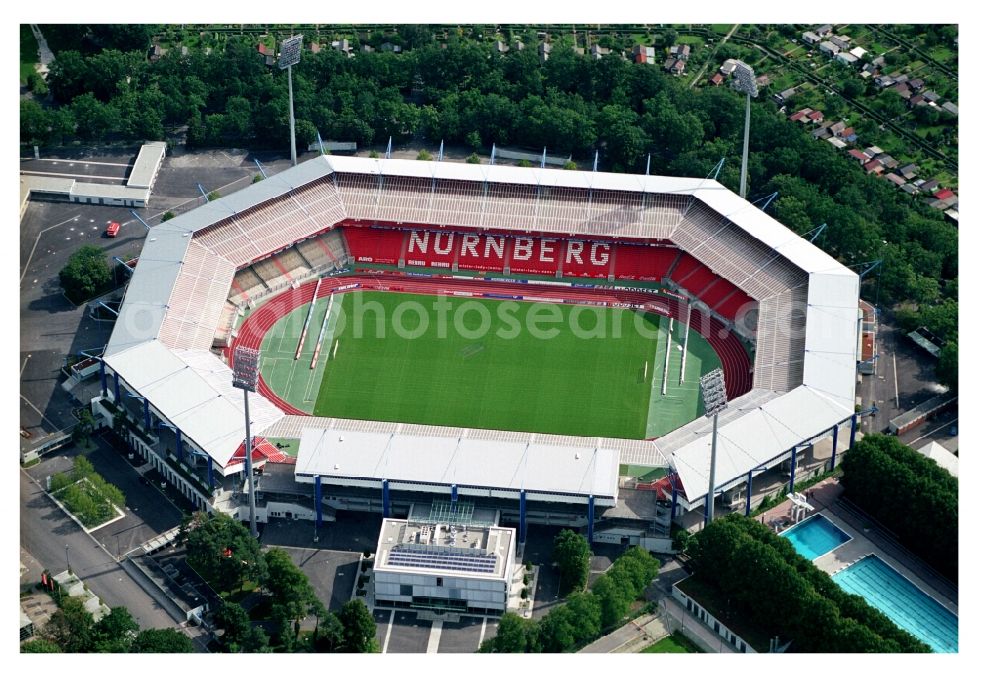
point(931, 96)
point(909, 172)
point(800, 116)
point(390, 47)
point(544, 49)
point(727, 67)
point(156, 52)
point(888, 161)
point(950, 107)
point(895, 179)
point(823, 30)
point(909, 188)
point(716, 79)
point(367, 49)
point(883, 81)
point(643, 54)
point(518, 45)
point(861, 156)
point(266, 52)
point(919, 183)
point(874, 167)
point(829, 48)
point(946, 196)
point(763, 81)
point(579, 51)
point(847, 59)
point(823, 131)
point(930, 186)
point(903, 89)
point(597, 51)
point(345, 46)
point(837, 128)
point(859, 52)
point(782, 97)
point(917, 100)
point(842, 41)
point(815, 116)
point(682, 52)
point(836, 142)
point(501, 47)
point(810, 38)
point(849, 135)
point(916, 84)
point(675, 66)
point(873, 151)
point(184, 50)
point(315, 47)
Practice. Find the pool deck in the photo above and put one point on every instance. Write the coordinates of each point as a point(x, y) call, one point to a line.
point(824, 496)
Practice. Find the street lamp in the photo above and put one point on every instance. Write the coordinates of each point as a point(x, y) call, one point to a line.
point(67, 560)
point(745, 83)
point(291, 54)
point(245, 374)
point(713, 394)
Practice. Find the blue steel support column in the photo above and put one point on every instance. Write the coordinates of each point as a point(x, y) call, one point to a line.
point(211, 475)
point(118, 397)
point(318, 499)
point(749, 491)
point(180, 446)
point(145, 412)
point(854, 431)
point(104, 380)
point(523, 523)
point(590, 519)
point(791, 481)
point(833, 456)
point(385, 498)
point(673, 505)
point(454, 492)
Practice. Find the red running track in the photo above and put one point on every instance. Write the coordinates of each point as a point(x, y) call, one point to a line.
point(735, 360)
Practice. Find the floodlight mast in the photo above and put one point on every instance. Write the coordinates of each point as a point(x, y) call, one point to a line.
point(746, 83)
point(291, 54)
point(713, 394)
point(245, 374)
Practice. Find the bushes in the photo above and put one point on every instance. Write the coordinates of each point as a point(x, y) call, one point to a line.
point(910, 494)
point(86, 274)
point(86, 494)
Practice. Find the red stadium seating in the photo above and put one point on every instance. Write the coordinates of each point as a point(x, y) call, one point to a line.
point(684, 267)
point(716, 292)
point(698, 280)
point(374, 245)
point(731, 306)
point(649, 263)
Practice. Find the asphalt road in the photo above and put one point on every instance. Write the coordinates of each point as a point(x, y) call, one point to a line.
point(46, 532)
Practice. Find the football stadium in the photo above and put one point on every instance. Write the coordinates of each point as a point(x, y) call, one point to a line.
point(465, 339)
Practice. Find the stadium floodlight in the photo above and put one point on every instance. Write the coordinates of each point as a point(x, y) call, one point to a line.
point(291, 54)
point(745, 83)
point(713, 394)
point(245, 373)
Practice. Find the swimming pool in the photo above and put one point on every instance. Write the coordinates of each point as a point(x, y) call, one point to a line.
point(904, 603)
point(815, 536)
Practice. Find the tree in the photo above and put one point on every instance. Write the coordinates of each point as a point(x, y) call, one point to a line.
point(83, 429)
point(115, 632)
point(234, 621)
point(614, 599)
point(86, 274)
point(289, 585)
point(947, 366)
point(71, 627)
point(94, 119)
point(40, 645)
point(556, 631)
point(424, 155)
point(572, 554)
point(585, 614)
point(472, 159)
point(162, 641)
point(359, 628)
point(222, 550)
point(167, 215)
point(515, 634)
point(329, 633)
point(852, 88)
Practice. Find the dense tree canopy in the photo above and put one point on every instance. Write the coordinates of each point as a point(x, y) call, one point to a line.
point(908, 493)
point(358, 628)
point(223, 552)
point(572, 555)
point(86, 274)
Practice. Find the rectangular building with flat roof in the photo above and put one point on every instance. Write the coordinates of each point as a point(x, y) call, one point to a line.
point(444, 568)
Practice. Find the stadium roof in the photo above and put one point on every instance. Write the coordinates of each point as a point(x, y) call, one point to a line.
point(445, 460)
point(804, 373)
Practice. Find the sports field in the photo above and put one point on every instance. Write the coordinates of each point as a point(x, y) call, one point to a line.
point(584, 371)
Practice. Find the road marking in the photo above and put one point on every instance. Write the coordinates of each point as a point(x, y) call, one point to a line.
point(28, 401)
point(120, 179)
point(435, 638)
point(388, 631)
point(68, 220)
point(933, 431)
point(482, 634)
point(25, 364)
point(895, 381)
point(46, 159)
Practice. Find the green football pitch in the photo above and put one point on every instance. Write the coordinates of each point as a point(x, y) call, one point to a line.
point(584, 371)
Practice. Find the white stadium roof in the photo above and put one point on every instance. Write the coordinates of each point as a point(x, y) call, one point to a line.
point(804, 368)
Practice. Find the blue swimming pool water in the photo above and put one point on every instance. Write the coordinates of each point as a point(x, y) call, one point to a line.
point(900, 599)
point(815, 536)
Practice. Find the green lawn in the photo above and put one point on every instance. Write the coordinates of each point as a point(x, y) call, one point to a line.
point(29, 52)
point(676, 643)
point(561, 384)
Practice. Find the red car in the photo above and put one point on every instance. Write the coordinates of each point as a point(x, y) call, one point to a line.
point(113, 229)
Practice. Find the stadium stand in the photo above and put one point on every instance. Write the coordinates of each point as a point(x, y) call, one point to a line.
point(247, 285)
point(698, 279)
point(685, 265)
point(730, 307)
point(323, 251)
point(716, 292)
point(227, 322)
point(643, 262)
point(197, 299)
point(374, 245)
point(781, 332)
